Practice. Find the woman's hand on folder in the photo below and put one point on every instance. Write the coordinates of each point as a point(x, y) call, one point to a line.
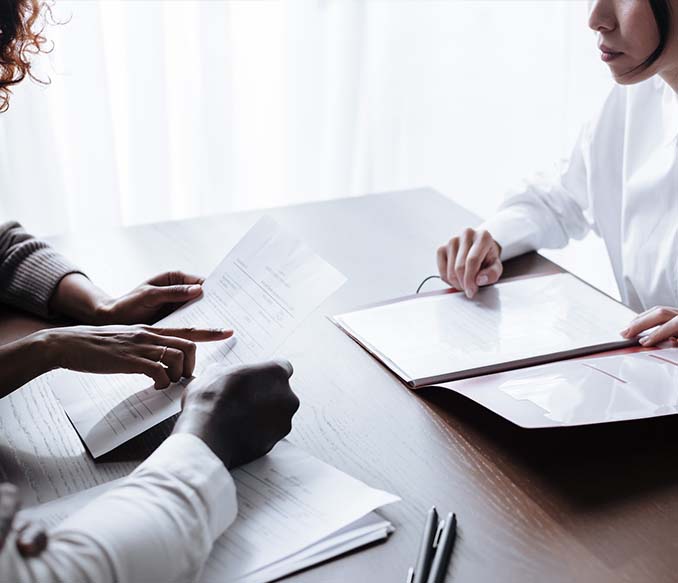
point(662, 316)
point(470, 260)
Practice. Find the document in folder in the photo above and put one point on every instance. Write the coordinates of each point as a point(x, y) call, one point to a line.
point(263, 289)
point(443, 337)
point(294, 511)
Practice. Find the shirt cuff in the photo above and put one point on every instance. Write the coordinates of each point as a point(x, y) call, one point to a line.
point(513, 230)
point(192, 461)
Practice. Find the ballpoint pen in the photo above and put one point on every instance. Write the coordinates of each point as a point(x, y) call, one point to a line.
point(443, 550)
point(435, 549)
point(419, 573)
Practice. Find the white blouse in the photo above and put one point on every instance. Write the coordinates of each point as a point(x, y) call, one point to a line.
point(622, 182)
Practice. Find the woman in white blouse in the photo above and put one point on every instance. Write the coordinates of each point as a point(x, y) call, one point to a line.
point(621, 181)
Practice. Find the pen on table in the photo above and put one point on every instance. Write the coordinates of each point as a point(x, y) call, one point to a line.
point(419, 573)
point(444, 550)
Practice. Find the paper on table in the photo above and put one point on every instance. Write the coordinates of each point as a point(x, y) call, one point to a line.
point(292, 509)
point(264, 288)
point(442, 337)
point(367, 530)
point(619, 387)
point(287, 502)
point(41, 454)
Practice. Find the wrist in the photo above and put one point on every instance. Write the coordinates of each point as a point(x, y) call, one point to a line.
point(44, 346)
point(199, 425)
point(78, 298)
point(102, 311)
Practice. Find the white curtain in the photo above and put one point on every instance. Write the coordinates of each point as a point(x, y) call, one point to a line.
point(166, 109)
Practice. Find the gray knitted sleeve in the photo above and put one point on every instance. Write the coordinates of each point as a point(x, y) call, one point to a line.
point(29, 270)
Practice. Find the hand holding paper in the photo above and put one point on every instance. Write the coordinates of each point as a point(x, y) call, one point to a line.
point(263, 289)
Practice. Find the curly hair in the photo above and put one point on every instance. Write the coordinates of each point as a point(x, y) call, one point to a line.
point(18, 43)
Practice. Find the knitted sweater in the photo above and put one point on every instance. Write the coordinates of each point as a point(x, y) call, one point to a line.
point(29, 270)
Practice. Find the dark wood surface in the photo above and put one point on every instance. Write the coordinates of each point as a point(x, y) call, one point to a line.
point(592, 504)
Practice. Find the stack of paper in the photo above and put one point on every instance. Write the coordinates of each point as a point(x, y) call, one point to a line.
point(294, 511)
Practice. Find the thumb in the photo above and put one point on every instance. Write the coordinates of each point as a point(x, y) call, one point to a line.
point(173, 294)
point(32, 540)
point(490, 274)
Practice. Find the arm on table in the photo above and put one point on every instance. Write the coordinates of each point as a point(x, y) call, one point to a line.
point(547, 212)
point(30, 270)
point(35, 278)
point(158, 525)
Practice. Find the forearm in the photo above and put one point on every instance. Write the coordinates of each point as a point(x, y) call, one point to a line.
point(159, 524)
point(22, 361)
point(30, 270)
point(77, 298)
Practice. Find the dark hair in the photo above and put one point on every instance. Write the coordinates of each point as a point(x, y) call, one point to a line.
point(18, 42)
point(662, 15)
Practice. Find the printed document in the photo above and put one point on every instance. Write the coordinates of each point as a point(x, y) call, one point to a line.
point(444, 337)
point(263, 289)
point(293, 511)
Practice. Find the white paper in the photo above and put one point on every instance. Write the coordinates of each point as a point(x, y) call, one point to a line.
point(293, 511)
point(286, 502)
point(263, 289)
point(365, 531)
point(427, 338)
point(40, 453)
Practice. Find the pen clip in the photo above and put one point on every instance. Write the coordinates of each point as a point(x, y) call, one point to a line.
point(410, 575)
point(439, 532)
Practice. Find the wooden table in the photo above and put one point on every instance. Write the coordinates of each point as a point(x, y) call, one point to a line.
point(585, 504)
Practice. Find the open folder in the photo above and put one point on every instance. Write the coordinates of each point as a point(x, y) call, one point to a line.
point(444, 336)
point(512, 349)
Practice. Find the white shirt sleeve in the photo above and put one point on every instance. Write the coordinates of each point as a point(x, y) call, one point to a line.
point(158, 525)
point(547, 212)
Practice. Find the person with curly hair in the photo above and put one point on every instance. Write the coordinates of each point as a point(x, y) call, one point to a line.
point(161, 522)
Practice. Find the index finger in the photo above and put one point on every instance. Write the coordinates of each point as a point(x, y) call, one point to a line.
point(194, 334)
point(474, 261)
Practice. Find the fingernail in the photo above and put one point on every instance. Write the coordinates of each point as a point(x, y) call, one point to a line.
point(644, 339)
point(468, 293)
point(624, 332)
point(482, 280)
point(195, 288)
